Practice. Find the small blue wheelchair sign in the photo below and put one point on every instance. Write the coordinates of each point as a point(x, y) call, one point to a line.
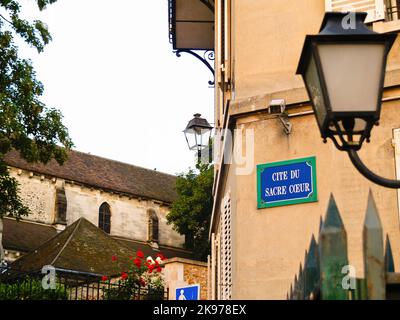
point(188, 293)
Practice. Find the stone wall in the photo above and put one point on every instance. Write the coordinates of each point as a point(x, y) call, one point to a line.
point(196, 274)
point(38, 193)
point(128, 214)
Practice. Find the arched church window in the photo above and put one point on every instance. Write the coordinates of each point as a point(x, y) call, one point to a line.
point(105, 217)
point(152, 226)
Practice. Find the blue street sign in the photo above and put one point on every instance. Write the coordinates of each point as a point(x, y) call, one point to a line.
point(287, 182)
point(188, 293)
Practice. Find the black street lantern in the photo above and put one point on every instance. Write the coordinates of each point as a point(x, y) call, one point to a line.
point(198, 134)
point(343, 68)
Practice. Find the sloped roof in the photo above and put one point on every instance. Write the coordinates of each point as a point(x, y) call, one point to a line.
point(80, 247)
point(104, 173)
point(85, 248)
point(148, 250)
point(24, 235)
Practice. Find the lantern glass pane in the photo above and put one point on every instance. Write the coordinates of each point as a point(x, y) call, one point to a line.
point(313, 84)
point(352, 75)
point(203, 136)
point(191, 139)
point(359, 126)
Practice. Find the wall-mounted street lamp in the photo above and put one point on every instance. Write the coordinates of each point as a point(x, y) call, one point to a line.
point(343, 68)
point(198, 134)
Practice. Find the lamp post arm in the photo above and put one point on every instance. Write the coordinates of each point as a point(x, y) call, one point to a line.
point(363, 169)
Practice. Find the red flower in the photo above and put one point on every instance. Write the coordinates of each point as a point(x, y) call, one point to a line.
point(151, 268)
point(104, 278)
point(158, 269)
point(137, 262)
point(114, 258)
point(142, 282)
point(140, 254)
point(124, 276)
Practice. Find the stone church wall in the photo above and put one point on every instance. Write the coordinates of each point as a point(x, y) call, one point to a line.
point(38, 193)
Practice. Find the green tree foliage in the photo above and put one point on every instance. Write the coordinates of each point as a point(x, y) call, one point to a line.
point(26, 124)
point(191, 213)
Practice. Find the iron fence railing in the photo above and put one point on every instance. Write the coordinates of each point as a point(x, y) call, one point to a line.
point(17, 285)
point(325, 272)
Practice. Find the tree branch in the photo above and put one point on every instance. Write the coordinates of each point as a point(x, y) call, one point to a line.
point(1, 16)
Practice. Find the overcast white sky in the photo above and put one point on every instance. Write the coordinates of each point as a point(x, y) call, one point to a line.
point(123, 93)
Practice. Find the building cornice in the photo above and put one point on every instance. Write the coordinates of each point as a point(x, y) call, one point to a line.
point(296, 97)
point(185, 261)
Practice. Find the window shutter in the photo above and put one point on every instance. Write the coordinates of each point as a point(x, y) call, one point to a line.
point(374, 8)
point(226, 250)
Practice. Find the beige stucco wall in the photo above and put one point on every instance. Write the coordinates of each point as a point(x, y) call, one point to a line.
point(271, 242)
point(128, 215)
point(268, 37)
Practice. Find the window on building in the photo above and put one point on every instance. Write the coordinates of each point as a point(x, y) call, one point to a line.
point(392, 10)
point(152, 226)
point(105, 217)
point(61, 206)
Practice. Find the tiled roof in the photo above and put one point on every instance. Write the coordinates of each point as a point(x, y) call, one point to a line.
point(83, 247)
point(148, 250)
point(106, 174)
point(80, 247)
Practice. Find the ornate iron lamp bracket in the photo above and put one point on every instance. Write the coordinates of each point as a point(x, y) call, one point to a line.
point(208, 56)
point(367, 173)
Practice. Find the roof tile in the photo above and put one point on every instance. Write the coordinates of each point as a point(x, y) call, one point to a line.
point(104, 173)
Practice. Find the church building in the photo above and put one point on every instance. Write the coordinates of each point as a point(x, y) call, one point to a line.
point(127, 202)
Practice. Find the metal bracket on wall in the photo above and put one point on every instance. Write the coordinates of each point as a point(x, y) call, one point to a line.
point(286, 123)
point(208, 56)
